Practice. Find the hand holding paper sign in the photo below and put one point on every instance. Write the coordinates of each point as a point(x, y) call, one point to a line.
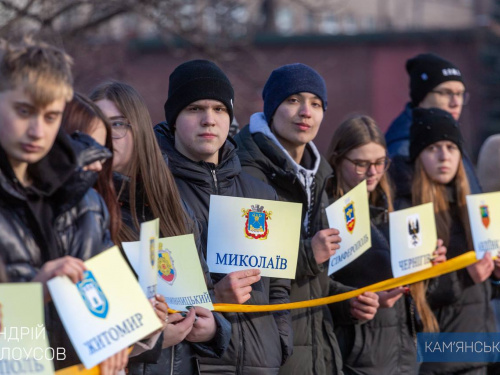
point(481, 270)
point(115, 363)
point(178, 328)
point(204, 326)
point(66, 266)
point(325, 243)
point(235, 286)
point(161, 310)
point(439, 256)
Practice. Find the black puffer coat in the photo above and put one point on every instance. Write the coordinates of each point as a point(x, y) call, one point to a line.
point(316, 350)
point(59, 215)
point(469, 309)
point(179, 359)
point(260, 342)
point(385, 344)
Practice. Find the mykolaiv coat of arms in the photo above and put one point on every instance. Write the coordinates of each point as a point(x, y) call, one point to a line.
point(256, 222)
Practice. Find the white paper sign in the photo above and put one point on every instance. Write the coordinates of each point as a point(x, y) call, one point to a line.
point(484, 217)
point(248, 233)
point(107, 311)
point(350, 214)
point(180, 277)
point(148, 265)
point(413, 239)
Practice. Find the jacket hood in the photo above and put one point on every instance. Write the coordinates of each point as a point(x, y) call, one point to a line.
point(258, 124)
point(196, 172)
point(259, 151)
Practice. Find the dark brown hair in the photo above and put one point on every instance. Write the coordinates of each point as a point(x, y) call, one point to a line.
point(355, 132)
point(81, 114)
point(147, 164)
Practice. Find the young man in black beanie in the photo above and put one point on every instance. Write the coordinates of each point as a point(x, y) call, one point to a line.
point(277, 148)
point(203, 160)
point(434, 83)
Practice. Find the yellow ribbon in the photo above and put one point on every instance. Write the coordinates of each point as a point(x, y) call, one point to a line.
point(451, 265)
point(79, 369)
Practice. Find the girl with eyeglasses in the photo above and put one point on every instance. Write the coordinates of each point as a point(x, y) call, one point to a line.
point(439, 177)
point(146, 190)
point(384, 345)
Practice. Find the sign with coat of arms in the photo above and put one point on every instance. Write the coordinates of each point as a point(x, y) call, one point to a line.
point(246, 233)
point(484, 223)
point(351, 216)
point(181, 278)
point(105, 312)
point(413, 239)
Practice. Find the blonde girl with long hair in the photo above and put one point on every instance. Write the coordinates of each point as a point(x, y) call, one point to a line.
point(384, 345)
point(436, 146)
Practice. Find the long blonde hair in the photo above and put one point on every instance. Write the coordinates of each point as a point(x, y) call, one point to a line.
point(355, 132)
point(147, 165)
point(425, 190)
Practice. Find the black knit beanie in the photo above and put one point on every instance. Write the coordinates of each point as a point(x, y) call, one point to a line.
point(428, 71)
point(430, 126)
point(197, 80)
point(288, 80)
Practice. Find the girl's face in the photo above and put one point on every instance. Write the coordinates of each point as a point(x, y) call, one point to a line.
point(123, 143)
point(440, 161)
point(368, 162)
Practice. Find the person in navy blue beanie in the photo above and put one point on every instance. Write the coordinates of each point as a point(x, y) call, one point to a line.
point(277, 147)
point(288, 80)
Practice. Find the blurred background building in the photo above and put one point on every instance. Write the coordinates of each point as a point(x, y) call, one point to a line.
point(359, 46)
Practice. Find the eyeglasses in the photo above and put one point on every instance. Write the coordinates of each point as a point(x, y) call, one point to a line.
point(463, 96)
point(362, 166)
point(119, 129)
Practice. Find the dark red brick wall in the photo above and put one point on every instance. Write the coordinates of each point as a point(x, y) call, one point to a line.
point(363, 75)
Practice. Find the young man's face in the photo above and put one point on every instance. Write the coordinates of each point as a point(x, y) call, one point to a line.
point(27, 133)
point(201, 129)
point(296, 121)
point(448, 96)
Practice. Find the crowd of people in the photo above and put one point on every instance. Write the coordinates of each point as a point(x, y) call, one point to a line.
point(80, 173)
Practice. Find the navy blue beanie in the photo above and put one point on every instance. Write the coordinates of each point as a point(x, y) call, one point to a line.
point(288, 80)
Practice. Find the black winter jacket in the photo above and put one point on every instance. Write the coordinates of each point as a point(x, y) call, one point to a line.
point(458, 303)
point(179, 359)
point(315, 346)
point(260, 342)
point(58, 215)
point(385, 344)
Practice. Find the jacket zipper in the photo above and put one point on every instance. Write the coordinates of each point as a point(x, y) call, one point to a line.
point(172, 361)
point(239, 361)
point(214, 176)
